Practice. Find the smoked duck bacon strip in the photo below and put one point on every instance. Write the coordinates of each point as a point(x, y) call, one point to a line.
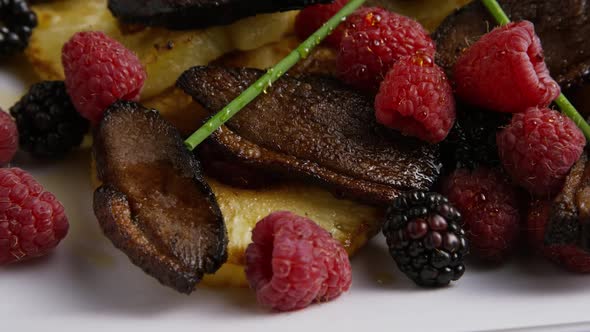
point(154, 204)
point(569, 221)
point(315, 128)
point(196, 14)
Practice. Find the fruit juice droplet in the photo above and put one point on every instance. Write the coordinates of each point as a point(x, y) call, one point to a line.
point(303, 52)
point(318, 40)
point(226, 115)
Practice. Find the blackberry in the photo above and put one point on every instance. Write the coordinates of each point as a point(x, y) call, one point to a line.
point(425, 238)
point(48, 124)
point(472, 141)
point(19, 21)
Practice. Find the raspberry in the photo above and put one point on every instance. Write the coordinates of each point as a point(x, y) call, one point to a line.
point(313, 17)
point(538, 148)
point(536, 222)
point(489, 206)
point(8, 138)
point(32, 220)
point(48, 123)
point(373, 41)
point(569, 257)
point(425, 238)
point(293, 262)
point(505, 71)
point(99, 71)
point(416, 99)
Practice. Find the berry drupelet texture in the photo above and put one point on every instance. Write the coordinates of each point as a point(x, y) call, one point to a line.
point(505, 71)
point(416, 98)
point(374, 39)
point(32, 220)
point(472, 141)
point(313, 17)
point(425, 238)
point(8, 138)
point(292, 262)
point(538, 148)
point(489, 205)
point(99, 71)
point(49, 126)
point(19, 21)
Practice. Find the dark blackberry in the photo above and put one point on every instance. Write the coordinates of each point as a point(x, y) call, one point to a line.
point(472, 141)
point(48, 124)
point(425, 238)
point(18, 20)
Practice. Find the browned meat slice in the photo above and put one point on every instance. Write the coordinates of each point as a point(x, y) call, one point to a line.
point(229, 171)
point(570, 213)
point(193, 14)
point(315, 128)
point(154, 204)
point(563, 27)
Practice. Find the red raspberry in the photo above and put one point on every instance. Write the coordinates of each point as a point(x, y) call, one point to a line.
point(293, 262)
point(505, 71)
point(489, 206)
point(569, 257)
point(373, 41)
point(8, 138)
point(416, 99)
point(313, 17)
point(537, 218)
point(99, 71)
point(538, 148)
point(32, 220)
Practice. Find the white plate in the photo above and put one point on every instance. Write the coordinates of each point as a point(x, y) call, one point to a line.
point(87, 284)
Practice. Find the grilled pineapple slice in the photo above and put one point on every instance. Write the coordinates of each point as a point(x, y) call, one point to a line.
point(351, 223)
point(164, 53)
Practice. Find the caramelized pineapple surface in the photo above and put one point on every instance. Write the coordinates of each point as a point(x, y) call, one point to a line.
point(351, 223)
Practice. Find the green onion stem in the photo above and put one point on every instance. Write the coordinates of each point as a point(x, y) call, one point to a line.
point(562, 102)
point(497, 12)
point(568, 109)
point(270, 77)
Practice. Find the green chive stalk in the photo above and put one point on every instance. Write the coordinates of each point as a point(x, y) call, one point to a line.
point(270, 77)
point(497, 12)
point(562, 102)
